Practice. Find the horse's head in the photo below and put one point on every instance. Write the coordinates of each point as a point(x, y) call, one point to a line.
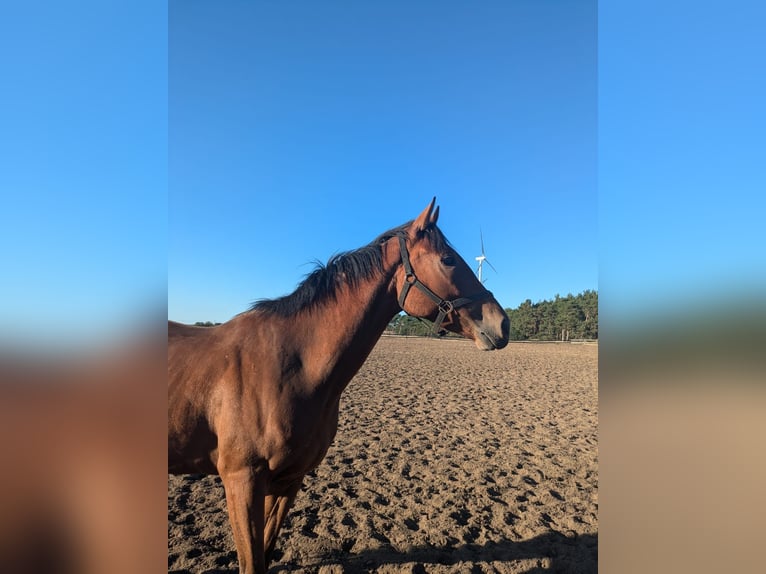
point(435, 283)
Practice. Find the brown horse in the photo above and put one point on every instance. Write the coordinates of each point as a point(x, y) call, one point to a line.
point(255, 400)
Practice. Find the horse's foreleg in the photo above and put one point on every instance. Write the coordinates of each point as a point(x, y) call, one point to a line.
point(245, 490)
point(278, 507)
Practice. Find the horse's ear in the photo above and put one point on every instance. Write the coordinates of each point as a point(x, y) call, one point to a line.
point(435, 216)
point(426, 218)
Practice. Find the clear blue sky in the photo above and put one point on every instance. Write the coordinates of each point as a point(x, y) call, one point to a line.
point(285, 123)
point(300, 129)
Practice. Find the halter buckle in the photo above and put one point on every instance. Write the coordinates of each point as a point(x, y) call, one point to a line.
point(446, 307)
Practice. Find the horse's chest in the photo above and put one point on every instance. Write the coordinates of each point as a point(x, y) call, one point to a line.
point(304, 443)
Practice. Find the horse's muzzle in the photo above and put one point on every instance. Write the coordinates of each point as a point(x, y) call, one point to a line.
point(489, 338)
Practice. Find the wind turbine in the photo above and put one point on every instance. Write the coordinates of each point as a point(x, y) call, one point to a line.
point(482, 258)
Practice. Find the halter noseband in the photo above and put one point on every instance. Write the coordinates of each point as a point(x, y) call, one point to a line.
point(410, 280)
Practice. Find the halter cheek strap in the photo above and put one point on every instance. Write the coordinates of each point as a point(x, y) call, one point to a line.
point(445, 306)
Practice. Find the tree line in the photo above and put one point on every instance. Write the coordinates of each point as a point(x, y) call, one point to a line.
point(561, 319)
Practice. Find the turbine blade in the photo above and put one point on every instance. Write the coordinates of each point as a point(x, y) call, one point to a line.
point(481, 235)
point(490, 264)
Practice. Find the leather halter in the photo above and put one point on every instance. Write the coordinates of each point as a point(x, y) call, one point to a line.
point(445, 307)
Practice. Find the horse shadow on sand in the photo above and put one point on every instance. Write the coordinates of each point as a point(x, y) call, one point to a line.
point(550, 552)
point(545, 554)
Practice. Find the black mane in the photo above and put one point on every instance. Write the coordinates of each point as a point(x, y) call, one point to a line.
point(350, 268)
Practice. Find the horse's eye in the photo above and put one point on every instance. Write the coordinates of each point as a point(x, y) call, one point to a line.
point(448, 260)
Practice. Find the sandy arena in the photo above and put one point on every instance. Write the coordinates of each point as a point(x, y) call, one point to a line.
point(447, 459)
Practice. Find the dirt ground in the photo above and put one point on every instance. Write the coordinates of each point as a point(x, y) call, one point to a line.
point(447, 459)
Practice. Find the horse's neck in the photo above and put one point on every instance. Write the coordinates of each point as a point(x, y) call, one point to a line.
point(344, 332)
